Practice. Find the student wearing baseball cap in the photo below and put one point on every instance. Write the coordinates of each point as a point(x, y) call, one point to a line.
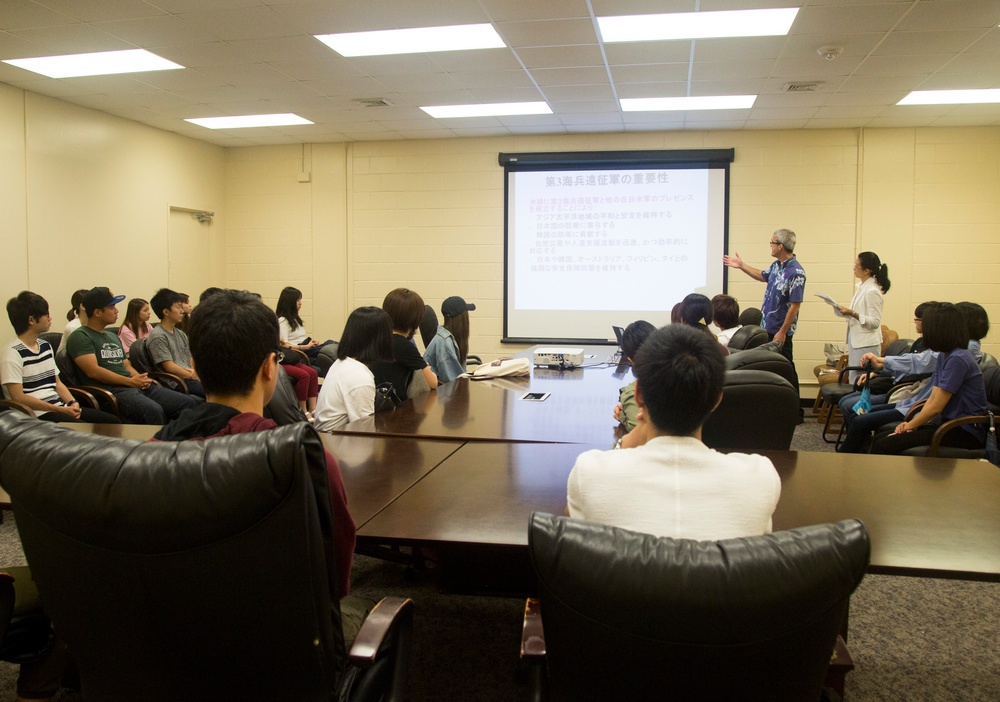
point(449, 348)
point(98, 354)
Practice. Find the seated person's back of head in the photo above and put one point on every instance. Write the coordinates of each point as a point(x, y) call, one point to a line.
point(670, 483)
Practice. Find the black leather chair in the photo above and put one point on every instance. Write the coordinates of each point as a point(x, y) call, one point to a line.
point(90, 395)
point(142, 360)
point(54, 339)
point(762, 359)
point(759, 410)
point(751, 316)
point(630, 616)
point(196, 570)
point(748, 337)
point(283, 407)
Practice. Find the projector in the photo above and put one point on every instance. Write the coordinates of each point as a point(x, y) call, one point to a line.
point(559, 357)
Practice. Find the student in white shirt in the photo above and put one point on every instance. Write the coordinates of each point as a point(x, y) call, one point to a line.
point(664, 480)
point(348, 391)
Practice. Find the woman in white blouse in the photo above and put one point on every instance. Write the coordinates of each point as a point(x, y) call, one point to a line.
point(864, 316)
point(348, 391)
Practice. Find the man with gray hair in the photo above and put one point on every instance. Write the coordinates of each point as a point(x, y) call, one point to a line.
point(786, 285)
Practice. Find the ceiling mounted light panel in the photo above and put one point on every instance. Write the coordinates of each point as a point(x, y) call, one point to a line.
point(414, 41)
point(697, 25)
point(951, 97)
point(244, 121)
point(103, 63)
point(500, 109)
point(704, 102)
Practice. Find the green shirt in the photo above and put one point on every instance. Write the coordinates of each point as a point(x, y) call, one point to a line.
point(630, 408)
point(105, 346)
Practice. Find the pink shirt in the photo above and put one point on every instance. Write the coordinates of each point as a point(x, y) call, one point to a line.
point(128, 337)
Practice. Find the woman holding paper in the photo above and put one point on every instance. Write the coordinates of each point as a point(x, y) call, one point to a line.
point(864, 316)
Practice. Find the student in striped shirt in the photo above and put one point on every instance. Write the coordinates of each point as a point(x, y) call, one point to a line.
point(28, 366)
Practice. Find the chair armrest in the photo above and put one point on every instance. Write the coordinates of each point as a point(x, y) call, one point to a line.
point(946, 427)
point(19, 406)
point(161, 376)
point(388, 615)
point(84, 398)
point(302, 356)
point(105, 399)
point(915, 410)
point(532, 632)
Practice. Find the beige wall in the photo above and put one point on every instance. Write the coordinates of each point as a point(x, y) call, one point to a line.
point(86, 199)
point(428, 214)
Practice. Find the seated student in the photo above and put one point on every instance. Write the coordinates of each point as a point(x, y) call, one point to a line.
point(186, 319)
point(668, 483)
point(726, 313)
point(406, 310)
point(136, 324)
point(99, 356)
point(293, 332)
point(627, 410)
point(234, 343)
point(75, 317)
point(861, 427)
point(348, 391)
point(167, 345)
point(448, 350)
point(957, 389)
point(696, 312)
point(28, 366)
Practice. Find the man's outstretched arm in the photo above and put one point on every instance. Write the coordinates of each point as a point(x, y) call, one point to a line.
point(734, 261)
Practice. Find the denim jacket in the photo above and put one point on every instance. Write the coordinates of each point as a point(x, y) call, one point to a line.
point(442, 356)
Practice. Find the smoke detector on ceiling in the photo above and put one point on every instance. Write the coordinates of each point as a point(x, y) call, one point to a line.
point(372, 102)
point(830, 52)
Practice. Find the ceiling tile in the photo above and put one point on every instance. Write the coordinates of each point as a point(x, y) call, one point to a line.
point(542, 33)
point(578, 92)
point(848, 19)
point(72, 39)
point(894, 65)
point(247, 23)
point(916, 43)
point(746, 48)
point(650, 73)
point(948, 14)
point(561, 56)
point(19, 14)
point(99, 10)
point(150, 32)
point(570, 76)
point(648, 52)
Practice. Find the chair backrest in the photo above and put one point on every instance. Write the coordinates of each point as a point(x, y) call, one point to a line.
point(67, 369)
point(759, 410)
point(748, 337)
point(987, 361)
point(888, 336)
point(991, 379)
point(631, 616)
point(326, 357)
point(54, 339)
point(898, 347)
point(283, 407)
point(140, 358)
point(189, 570)
point(751, 316)
point(761, 359)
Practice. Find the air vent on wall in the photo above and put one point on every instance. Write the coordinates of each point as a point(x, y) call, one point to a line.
point(801, 87)
point(372, 102)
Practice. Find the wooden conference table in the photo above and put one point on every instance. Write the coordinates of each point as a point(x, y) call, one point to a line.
point(462, 469)
point(927, 517)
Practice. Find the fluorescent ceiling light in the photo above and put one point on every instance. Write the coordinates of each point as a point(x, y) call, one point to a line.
point(951, 97)
point(102, 63)
point(697, 25)
point(707, 102)
point(498, 109)
point(414, 41)
point(242, 121)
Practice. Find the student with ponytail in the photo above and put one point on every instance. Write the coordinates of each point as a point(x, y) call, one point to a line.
point(864, 316)
point(696, 311)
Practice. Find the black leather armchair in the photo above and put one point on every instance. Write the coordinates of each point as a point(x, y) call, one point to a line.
point(195, 570)
point(142, 360)
point(90, 395)
point(748, 337)
point(759, 410)
point(630, 616)
point(761, 359)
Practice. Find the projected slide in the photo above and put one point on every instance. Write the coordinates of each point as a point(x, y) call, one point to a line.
point(590, 247)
